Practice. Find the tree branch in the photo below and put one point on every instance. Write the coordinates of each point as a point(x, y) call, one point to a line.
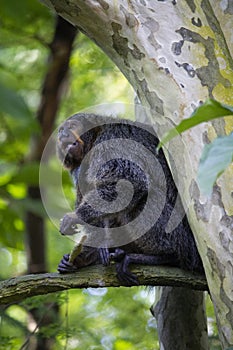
point(19, 288)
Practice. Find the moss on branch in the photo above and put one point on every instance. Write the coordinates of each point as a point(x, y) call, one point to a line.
point(16, 289)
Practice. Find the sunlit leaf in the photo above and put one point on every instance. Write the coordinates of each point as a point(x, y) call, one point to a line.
point(17, 191)
point(215, 159)
point(122, 344)
point(211, 109)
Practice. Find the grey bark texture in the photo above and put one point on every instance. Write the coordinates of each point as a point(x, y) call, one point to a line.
point(176, 54)
point(180, 315)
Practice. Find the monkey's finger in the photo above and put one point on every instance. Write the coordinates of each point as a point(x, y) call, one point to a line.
point(65, 266)
point(104, 256)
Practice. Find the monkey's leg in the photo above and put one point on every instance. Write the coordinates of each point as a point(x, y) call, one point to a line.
point(123, 260)
point(104, 253)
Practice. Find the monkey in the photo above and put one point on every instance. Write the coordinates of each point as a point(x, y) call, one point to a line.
point(97, 151)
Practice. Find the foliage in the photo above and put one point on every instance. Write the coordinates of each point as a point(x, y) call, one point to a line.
point(24, 51)
point(99, 318)
point(209, 110)
point(217, 155)
point(215, 158)
point(13, 104)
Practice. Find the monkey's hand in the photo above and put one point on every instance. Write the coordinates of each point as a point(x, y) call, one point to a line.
point(88, 256)
point(68, 225)
point(105, 256)
point(65, 266)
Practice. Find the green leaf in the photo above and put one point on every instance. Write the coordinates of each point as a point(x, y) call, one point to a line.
point(211, 109)
point(215, 159)
point(13, 104)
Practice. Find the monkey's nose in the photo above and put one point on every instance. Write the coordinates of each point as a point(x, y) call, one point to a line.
point(64, 133)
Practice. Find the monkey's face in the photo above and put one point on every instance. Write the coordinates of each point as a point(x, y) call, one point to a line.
point(70, 146)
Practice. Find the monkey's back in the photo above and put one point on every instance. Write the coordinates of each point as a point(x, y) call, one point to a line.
point(169, 231)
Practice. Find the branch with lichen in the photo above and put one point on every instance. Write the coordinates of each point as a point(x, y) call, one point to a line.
point(19, 288)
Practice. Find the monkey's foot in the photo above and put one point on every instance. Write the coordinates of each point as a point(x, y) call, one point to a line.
point(122, 268)
point(65, 266)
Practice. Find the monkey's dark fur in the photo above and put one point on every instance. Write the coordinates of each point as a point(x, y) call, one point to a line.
point(82, 133)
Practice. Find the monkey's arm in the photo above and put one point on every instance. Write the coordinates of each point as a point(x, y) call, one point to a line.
point(119, 188)
point(105, 192)
point(90, 212)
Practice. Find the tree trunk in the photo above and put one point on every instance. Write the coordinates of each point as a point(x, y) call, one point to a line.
point(177, 54)
point(180, 315)
point(180, 312)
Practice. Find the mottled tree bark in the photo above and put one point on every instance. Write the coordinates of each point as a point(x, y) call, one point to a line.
point(177, 54)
